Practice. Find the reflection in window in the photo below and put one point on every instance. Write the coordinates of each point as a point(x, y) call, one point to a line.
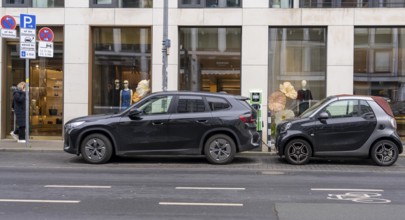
point(121, 3)
point(48, 3)
point(210, 3)
point(121, 63)
point(17, 3)
point(189, 104)
point(210, 59)
point(379, 67)
point(281, 3)
point(352, 3)
point(156, 105)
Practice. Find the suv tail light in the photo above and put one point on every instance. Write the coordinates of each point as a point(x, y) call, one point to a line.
point(247, 118)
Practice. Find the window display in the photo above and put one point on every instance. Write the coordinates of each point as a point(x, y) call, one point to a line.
point(121, 67)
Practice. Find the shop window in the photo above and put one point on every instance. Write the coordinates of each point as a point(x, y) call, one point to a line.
point(352, 3)
point(281, 3)
point(297, 70)
point(210, 3)
point(210, 59)
point(379, 57)
point(17, 3)
point(121, 3)
point(121, 69)
point(47, 88)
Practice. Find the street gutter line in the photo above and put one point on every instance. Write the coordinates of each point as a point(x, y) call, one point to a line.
point(71, 186)
point(358, 190)
point(39, 201)
point(211, 188)
point(200, 204)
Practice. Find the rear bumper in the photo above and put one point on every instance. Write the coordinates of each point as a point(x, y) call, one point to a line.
point(254, 142)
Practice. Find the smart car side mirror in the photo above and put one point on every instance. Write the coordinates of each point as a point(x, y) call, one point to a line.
point(323, 115)
point(135, 113)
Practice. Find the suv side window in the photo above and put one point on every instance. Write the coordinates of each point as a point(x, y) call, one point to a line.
point(188, 104)
point(156, 105)
point(343, 108)
point(217, 104)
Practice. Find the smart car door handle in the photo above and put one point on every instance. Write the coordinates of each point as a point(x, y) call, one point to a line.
point(157, 123)
point(202, 121)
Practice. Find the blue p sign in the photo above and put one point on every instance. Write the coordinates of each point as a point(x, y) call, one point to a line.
point(27, 21)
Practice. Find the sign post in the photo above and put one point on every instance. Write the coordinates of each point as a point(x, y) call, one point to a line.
point(27, 51)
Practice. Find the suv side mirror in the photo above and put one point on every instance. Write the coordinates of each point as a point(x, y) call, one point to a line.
point(323, 115)
point(135, 113)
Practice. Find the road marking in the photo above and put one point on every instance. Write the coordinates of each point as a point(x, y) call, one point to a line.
point(39, 201)
point(358, 190)
point(72, 186)
point(200, 204)
point(210, 188)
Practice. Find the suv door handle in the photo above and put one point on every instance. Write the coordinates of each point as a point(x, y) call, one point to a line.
point(157, 123)
point(202, 121)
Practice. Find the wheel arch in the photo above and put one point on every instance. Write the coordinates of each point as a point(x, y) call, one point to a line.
point(90, 131)
point(211, 133)
point(297, 137)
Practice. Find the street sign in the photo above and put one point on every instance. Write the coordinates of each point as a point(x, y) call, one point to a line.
point(8, 22)
point(45, 49)
point(45, 34)
point(28, 21)
point(27, 36)
point(8, 25)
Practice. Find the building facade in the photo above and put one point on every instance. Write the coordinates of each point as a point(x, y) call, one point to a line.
point(295, 51)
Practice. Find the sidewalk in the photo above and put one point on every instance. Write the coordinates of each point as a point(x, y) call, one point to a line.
point(34, 145)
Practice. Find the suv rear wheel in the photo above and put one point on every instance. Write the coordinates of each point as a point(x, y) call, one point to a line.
point(384, 153)
point(220, 149)
point(298, 152)
point(96, 149)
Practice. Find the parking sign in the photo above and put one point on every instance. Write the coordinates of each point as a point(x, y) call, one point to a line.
point(27, 21)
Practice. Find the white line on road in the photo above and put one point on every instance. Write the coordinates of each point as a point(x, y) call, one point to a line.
point(211, 188)
point(358, 190)
point(72, 186)
point(39, 201)
point(200, 204)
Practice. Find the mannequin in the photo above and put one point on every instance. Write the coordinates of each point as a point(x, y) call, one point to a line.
point(304, 97)
point(115, 93)
point(125, 96)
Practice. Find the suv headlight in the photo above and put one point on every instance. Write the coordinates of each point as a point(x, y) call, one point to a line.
point(285, 127)
point(72, 125)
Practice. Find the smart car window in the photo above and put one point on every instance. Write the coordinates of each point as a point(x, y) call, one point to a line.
point(188, 104)
point(217, 104)
point(157, 105)
point(344, 108)
point(365, 110)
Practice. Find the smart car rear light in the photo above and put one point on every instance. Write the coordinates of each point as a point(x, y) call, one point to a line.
point(247, 118)
point(393, 123)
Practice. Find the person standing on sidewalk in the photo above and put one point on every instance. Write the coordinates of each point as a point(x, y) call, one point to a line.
point(19, 110)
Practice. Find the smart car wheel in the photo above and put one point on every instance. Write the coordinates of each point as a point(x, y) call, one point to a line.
point(220, 149)
point(297, 152)
point(96, 149)
point(384, 153)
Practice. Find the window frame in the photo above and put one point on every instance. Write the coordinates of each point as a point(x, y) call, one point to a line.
point(114, 4)
point(27, 4)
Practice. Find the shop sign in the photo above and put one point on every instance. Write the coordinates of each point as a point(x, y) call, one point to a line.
point(45, 49)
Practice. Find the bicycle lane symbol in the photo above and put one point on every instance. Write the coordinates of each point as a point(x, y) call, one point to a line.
point(360, 197)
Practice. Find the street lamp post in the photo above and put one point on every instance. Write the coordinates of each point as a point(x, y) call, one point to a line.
point(165, 44)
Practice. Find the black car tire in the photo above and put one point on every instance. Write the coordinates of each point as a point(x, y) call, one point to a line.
point(298, 152)
point(96, 149)
point(220, 149)
point(384, 153)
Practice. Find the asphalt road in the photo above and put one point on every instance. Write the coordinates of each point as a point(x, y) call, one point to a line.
point(61, 186)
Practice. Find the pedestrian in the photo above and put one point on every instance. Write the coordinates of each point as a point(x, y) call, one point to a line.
point(19, 110)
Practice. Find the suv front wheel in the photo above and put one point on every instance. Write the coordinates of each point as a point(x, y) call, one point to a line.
point(220, 149)
point(96, 149)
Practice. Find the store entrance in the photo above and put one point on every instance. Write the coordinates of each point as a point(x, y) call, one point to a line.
point(46, 91)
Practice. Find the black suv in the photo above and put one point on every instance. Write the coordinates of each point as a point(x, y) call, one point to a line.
point(217, 125)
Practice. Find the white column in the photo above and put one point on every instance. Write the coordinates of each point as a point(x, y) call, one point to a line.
point(117, 39)
point(221, 39)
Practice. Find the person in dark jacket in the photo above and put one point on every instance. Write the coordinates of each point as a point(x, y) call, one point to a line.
point(19, 110)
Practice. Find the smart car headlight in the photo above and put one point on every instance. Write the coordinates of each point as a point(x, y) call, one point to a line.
point(285, 127)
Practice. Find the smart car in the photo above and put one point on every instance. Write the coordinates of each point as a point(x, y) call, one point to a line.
point(341, 126)
point(216, 125)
